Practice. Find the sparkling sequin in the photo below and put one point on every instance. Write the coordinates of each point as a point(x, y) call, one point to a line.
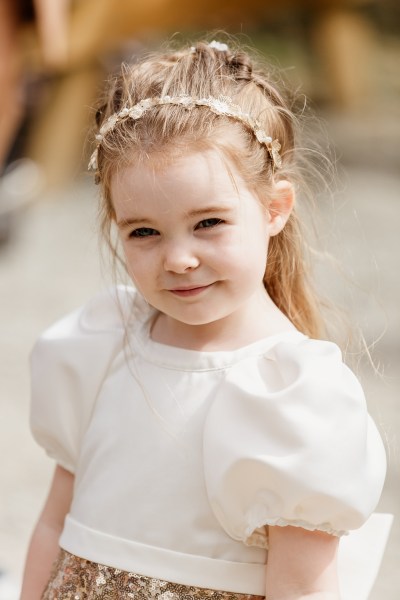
point(75, 578)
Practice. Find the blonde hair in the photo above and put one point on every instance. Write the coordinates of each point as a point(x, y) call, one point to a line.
point(169, 131)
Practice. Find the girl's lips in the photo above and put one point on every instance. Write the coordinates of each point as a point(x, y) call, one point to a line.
point(184, 292)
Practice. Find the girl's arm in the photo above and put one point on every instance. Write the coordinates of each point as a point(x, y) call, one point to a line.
point(43, 548)
point(302, 565)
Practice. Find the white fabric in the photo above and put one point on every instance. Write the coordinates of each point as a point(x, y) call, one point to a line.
point(318, 465)
point(181, 456)
point(360, 555)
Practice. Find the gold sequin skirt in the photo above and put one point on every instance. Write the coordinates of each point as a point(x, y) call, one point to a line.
point(75, 578)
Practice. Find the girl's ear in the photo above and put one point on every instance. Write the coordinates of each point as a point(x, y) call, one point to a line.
point(280, 205)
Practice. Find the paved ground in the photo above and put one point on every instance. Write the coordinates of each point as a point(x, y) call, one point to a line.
point(51, 266)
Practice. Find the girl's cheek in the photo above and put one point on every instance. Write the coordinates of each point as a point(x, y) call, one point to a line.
point(139, 265)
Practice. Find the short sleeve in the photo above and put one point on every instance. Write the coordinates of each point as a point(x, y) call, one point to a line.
point(288, 441)
point(68, 365)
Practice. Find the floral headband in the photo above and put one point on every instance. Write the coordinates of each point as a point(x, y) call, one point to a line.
point(223, 105)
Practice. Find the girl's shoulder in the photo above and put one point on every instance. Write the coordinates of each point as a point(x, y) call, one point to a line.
point(299, 382)
point(89, 335)
point(111, 310)
point(292, 358)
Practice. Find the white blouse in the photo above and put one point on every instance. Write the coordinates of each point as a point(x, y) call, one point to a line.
point(182, 458)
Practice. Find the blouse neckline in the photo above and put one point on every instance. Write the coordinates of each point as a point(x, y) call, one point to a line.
point(183, 359)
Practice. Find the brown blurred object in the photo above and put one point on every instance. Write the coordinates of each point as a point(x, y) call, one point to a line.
point(21, 179)
point(50, 18)
point(341, 36)
point(344, 41)
point(11, 106)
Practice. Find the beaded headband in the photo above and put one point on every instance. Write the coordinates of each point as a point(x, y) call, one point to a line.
point(220, 106)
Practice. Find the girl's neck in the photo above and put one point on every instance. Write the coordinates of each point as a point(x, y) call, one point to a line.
point(258, 321)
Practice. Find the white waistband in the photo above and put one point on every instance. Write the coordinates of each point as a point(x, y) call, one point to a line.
point(186, 569)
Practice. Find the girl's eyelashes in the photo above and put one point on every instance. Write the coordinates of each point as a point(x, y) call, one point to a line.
point(145, 232)
point(142, 232)
point(207, 223)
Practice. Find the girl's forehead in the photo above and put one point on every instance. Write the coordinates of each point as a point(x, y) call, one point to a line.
point(201, 172)
point(191, 184)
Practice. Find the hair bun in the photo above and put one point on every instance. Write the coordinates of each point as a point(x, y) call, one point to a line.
point(241, 66)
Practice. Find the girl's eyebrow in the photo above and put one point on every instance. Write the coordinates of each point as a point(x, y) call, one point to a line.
point(210, 210)
point(130, 222)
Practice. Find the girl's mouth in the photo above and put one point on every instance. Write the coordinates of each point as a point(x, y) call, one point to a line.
point(186, 292)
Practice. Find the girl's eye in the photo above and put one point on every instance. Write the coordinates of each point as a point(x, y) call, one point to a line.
point(207, 223)
point(143, 232)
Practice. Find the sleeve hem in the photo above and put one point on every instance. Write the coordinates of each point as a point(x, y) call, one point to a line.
point(62, 463)
point(258, 535)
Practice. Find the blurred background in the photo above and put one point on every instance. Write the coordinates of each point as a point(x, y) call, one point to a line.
point(344, 55)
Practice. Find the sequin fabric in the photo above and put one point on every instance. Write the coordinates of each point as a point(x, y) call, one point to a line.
point(75, 578)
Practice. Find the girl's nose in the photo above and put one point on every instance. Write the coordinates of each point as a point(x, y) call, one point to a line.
point(179, 258)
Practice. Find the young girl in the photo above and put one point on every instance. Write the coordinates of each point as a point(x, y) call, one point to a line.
point(208, 443)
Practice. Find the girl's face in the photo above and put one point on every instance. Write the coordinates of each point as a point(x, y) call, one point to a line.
point(195, 240)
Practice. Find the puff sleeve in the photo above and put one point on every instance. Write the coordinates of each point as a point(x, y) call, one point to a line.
point(288, 441)
point(68, 365)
